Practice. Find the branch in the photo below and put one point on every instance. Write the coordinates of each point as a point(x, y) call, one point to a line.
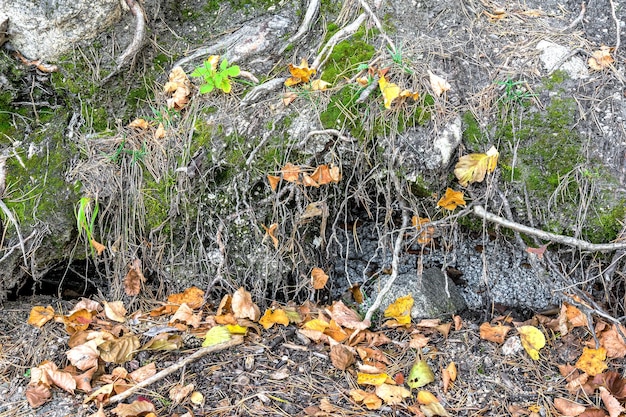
point(311, 12)
point(236, 340)
point(344, 33)
point(565, 240)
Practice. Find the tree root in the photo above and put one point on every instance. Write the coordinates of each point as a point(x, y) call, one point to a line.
point(565, 240)
point(236, 340)
point(136, 44)
point(305, 26)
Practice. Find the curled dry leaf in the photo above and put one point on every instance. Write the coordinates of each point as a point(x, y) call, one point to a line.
point(392, 394)
point(568, 408)
point(495, 334)
point(178, 88)
point(601, 58)
point(438, 84)
point(139, 124)
point(243, 306)
point(368, 399)
point(341, 357)
point(37, 394)
point(474, 167)
point(299, 73)
point(451, 199)
point(274, 316)
point(271, 232)
point(115, 311)
point(134, 278)
point(610, 403)
point(179, 392)
point(390, 91)
point(318, 278)
point(40, 315)
point(133, 409)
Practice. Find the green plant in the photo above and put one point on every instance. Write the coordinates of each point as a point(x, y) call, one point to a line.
point(214, 77)
point(514, 91)
point(86, 218)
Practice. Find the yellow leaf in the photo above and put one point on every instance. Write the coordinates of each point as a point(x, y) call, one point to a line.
point(271, 317)
point(318, 278)
point(373, 379)
point(420, 375)
point(532, 340)
point(425, 398)
point(213, 60)
point(438, 84)
point(401, 307)
point(392, 394)
point(451, 200)
point(237, 329)
point(299, 74)
point(410, 94)
point(390, 91)
point(216, 335)
point(592, 361)
point(316, 324)
point(319, 85)
point(197, 398)
point(474, 167)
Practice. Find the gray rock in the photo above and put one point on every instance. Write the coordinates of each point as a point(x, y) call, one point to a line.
point(434, 295)
point(47, 29)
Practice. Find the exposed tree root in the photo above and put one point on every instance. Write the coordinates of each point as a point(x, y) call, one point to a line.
point(305, 26)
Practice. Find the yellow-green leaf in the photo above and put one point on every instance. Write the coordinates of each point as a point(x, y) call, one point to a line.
point(216, 335)
point(420, 375)
point(474, 167)
point(532, 340)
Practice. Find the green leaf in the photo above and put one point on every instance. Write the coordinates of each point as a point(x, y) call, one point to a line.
point(226, 86)
point(233, 71)
point(420, 375)
point(223, 64)
point(206, 88)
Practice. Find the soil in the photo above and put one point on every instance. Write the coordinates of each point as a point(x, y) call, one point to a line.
point(278, 372)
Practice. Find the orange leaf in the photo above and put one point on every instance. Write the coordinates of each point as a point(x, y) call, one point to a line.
point(601, 58)
point(291, 173)
point(139, 124)
point(493, 333)
point(274, 316)
point(368, 399)
point(425, 398)
point(592, 361)
point(273, 180)
point(270, 231)
point(318, 278)
point(299, 74)
point(192, 296)
point(451, 200)
point(97, 246)
point(325, 175)
point(40, 315)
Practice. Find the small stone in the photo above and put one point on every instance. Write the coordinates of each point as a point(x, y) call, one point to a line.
point(512, 346)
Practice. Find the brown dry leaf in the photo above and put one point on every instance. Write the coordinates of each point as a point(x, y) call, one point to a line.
point(368, 399)
point(336, 332)
point(426, 233)
point(37, 394)
point(139, 124)
point(143, 373)
point(610, 403)
point(346, 317)
point(160, 132)
point(134, 409)
point(121, 350)
point(83, 381)
point(434, 409)
point(271, 232)
point(614, 382)
point(538, 251)
point(243, 307)
point(299, 73)
point(495, 334)
point(307, 181)
point(179, 392)
point(185, 314)
point(134, 278)
point(357, 294)
point(325, 175)
point(418, 341)
point(313, 210)
point(341, 357)
point(115, 311)
point(179, 87)
point(164, 342)
point(40, 315)
point(291, 173)
point(84, 356)
point(318, 278)
point(570, 317)
point(448, 375)
point(289, 97)
point(593, 412)
point(498, 14)
point(274, 316)
point(592, 361)
point(438, 84)
point(611, 340)
point(98, 247)
point(458, 322)
point(102, 394)
point(371, 355)
point(63, 380)
point(392, 394)
point(601, 58)
point(273, 181)
point(99, 413)
point(568, 408)
point(474, 167)
point(78, 320)
point(451, 199)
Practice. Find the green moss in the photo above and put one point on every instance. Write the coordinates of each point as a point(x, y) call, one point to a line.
point(555, 79)
point(347, 56)
point(472, 133)
point(606, 226)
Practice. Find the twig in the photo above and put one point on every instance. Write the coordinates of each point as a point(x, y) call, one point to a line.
point(617, 29)
point(11, 218)
point(541, 234)
point(395, 261)
point(345, 32)
point(369, 11)
point(305, 26)
point(135, 45)
point(236, 340)
point(267, 87)
point(576, 21)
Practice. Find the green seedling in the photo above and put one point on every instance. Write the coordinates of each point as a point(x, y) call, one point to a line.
point(215, 77)
point(514, 91)
point(86, 218)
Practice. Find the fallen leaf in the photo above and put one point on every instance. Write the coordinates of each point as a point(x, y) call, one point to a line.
point(593, 412)
point(115, 311)
point(495, 334)
point(319, 85)
point(474, 167)
point(400, 310)
point(592, 361)
point(299, 73)
point(185, 315)
point(216, 335)
point(63, 380)
point(179, 89)
point(192, 296)
point(84, 356)
point(160, 132)
point(390, 91)
point(567, 407)
point(134, 279)
point(434, 409)
point(373, 379)
point(420, 375)
point(273, 181)
point(614, 382)
point(610, 403)
point(143, 373)
point(324, 174)
point(271, 232)
point(341, 357)
point(133, 409)
point(139, 124)
point(98, 247)
point(538, 251)
point(120, 350)
point(426, 397)
point(418, 341)
point(601, 58)
point(438, 84)
point(346, 317)
point(196, 398)
point(318, 278)
point(451, 199)
point(368, 399)
point(426, 233)
point(179, 392)
point(289, 97)
point(532, 340)
point(448, 375)
point(37, 394)
point(243, 306)
point(611, 340)
point(274, 316)
point(40, 315)
point(392, 394)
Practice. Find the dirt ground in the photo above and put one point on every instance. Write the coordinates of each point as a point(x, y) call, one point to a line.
point(278, 372)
